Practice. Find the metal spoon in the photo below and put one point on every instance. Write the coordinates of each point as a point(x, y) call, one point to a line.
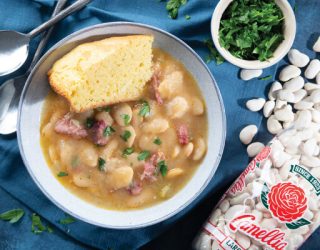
point(10, 90)
point(14, 46)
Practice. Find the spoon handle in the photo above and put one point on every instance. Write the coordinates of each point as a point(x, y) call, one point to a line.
point(46, 36)
point(72, 8)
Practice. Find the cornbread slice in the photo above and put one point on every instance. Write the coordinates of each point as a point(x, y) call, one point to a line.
point(103, 72)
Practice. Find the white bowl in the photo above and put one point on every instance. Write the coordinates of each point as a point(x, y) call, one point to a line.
point(30, 108)
point(279, 53)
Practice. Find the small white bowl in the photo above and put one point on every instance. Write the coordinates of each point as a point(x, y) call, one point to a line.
point(279, 53)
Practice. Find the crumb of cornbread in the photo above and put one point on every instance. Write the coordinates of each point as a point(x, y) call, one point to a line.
point(103, 72)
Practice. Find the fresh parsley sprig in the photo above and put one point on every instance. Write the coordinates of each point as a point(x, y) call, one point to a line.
point(173, 7)
point(13, 215)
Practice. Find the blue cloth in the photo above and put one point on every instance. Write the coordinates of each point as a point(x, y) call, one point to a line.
point(18, 190)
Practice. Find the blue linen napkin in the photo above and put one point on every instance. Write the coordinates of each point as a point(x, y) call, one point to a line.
point(18, 190)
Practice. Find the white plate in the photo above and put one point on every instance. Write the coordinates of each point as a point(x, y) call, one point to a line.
point(30, 107)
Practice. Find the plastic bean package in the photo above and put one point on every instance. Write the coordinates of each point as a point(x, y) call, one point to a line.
point(274, 203)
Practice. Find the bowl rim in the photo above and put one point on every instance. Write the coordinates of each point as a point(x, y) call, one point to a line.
point(88, 220)
point(253, 64)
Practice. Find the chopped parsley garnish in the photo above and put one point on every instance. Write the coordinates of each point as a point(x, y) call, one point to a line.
point(163, 168)
point(67, 220)
point(37, 227)
point(251, 29)
point(126, 135)
point(101, 164)
point(62, 174)
point(173, 7)
point(108, 131)
point(157, 141)
point(145, 109)
point(144, 155)
point(214, 54)
point(265, 78)
point(128, 151)
point(187, 17)
point(126, 118)
point(90, 122)
point(13, 215)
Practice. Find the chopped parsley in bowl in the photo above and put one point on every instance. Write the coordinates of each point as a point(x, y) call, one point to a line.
point(253, 34)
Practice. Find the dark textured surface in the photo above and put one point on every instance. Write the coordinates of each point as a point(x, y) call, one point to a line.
point(17, 188)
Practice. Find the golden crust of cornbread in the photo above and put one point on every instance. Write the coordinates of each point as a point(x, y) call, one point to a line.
point(103, 72)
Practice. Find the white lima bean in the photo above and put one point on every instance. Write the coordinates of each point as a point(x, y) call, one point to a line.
point(285, 114)
point(303, 120)
point(197, 106)
point(188, 149)
point(175, 172)
point(315, 96)
point(309, 87)
point(313, 69)
point(156, 126)
point(289, 72)
point(275, 87)
point(120, 177)
point(239, 199)
point(248, 74)
point(273, 125)
point(234, 211)
point(309, 146)
point(310, 161)
point(81, 180)
point(286, 95)
point(254, 148)
point(299, 95)
point(247, 133)
point(280, 104)
point(132, 137)
point(303, 105)
point(89, 156)
point(121, 111)
point(297, 58)
point(177, 107)
point(318, 78)
point(255, 105)
point(224, 206)
point(199, 149)
point(294, 84)
point(316, 46)
point(171, 84)
point(268, 108)
point(315, 116)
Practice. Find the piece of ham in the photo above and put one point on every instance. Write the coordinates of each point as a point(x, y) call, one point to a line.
point(183, 134)
point(97, 133)
point(149, 171)
point(71, 127)
point(155, 82)
point(156, 157)
point(135, 188)
point(150, 167)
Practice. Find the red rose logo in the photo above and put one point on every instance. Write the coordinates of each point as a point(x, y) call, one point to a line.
point(287, 202)
point(264, 153)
